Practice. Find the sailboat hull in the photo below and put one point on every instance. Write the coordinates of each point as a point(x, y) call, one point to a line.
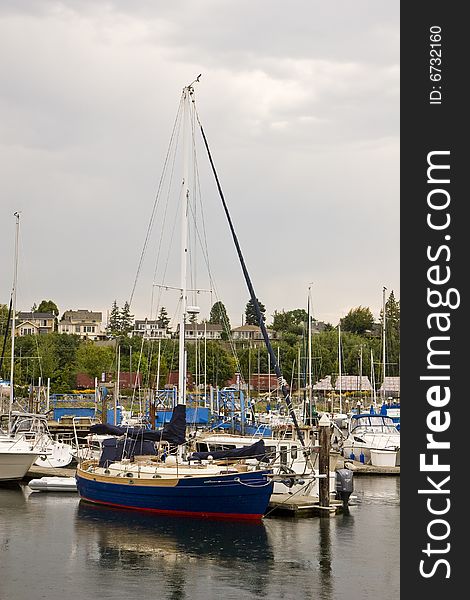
point(233, 496)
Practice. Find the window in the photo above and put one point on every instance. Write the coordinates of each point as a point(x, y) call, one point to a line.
point(283, 455)
point(77, 328)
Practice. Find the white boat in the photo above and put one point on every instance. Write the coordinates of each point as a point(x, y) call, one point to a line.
point(53, 484)
point(33, 428)
point(369, 432)
point(16, 458)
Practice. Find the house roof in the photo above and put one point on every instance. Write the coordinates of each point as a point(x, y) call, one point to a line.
point(247, 328)
point(354, 383)
point(81, 315)
point(323, 384)
point(390, 384)
point(22, 316)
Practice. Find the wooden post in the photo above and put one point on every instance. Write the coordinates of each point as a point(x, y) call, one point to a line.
point(152, 410)
point(324, 460)
point(104, 408)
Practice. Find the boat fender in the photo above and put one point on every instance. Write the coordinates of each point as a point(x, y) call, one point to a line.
point(352, 456)
point(362, 458)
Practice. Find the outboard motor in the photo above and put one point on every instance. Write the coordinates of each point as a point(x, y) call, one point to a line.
point(344, 485)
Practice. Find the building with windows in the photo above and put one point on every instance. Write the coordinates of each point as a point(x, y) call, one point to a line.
point(84, 323)
point(34, 323)
point(150, 330)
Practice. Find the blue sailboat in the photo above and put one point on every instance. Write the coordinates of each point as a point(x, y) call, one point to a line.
point(148, 470)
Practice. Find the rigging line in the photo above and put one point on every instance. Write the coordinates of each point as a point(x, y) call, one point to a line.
point(249, 284)
point(137, 372)
point(225, 323)
point(170, 244)
point(152, 217)
point(165, 212)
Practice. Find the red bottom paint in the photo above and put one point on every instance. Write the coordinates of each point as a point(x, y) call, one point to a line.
point(181, 513)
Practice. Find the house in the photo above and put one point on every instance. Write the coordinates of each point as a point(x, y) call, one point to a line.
point(201, 331)
point(34, 323)
point(249, 333)
point(149, 330)
point(85, 323)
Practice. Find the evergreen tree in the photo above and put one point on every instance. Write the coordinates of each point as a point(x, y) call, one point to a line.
point(218, 316)
point(163, 319)
point(127, 320)
point(392, 334)
point(251, 317)
point(113, 328)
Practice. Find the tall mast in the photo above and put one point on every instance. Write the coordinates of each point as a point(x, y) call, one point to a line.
point(309, 329)
point(383, 344)
point(187, 95)
point(339, 369)
point(13, 318)
point(372, 376)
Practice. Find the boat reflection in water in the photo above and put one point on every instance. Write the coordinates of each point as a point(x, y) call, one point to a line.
point(126, 539)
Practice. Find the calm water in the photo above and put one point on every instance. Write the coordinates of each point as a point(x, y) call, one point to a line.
point(52, 546)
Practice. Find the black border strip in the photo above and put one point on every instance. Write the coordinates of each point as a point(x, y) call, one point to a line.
point(433, 247)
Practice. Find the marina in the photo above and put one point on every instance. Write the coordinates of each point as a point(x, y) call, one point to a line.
point(199, 388)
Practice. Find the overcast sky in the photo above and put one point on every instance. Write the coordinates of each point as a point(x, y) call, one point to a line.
point(299, 100)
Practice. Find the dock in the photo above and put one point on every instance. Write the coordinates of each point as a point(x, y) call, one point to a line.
point(301, 506)
point(36, 472)
point(361, 469)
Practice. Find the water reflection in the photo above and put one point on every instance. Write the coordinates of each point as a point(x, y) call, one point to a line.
point(11, 495)
point(174, 546)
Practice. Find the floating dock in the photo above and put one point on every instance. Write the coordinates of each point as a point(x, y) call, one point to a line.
point(301, 506)
point(359, 468)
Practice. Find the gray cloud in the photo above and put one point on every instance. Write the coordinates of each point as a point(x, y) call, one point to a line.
point(301, 105)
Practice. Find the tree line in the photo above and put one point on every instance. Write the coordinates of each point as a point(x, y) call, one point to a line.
point(61, 356)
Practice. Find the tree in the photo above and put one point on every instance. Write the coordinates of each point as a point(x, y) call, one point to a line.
point(392, 333)
point(251, 317)
point(47, 306)
point(220, 366)
point(358, 320)
point(113, 328)
point(127, 320)
point(94, 360)
point(218, 316)
point(292, 321)
point(163, 319)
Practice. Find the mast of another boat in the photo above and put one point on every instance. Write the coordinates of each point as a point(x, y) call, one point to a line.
point(340, 373)
point(383, 345)
point(187, 92)
point(309, 355)
point(372, 376)
point(13, 322)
